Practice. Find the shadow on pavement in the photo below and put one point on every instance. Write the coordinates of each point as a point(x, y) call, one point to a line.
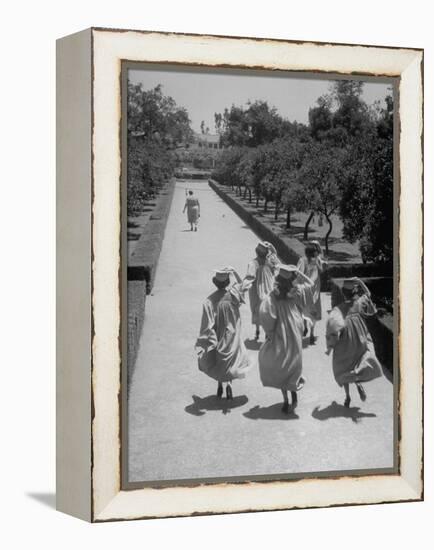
point(252, 344)
point(213, 403)
point(334, 410)
point(273, 412)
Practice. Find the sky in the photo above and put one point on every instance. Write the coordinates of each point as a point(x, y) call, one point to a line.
point(205, 93)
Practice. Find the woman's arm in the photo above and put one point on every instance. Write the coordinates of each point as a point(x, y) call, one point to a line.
point(235, 273)
point(305, 278)
point(185, 206)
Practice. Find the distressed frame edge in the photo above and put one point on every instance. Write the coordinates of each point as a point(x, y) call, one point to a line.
point(73, 275)
point(413, 492)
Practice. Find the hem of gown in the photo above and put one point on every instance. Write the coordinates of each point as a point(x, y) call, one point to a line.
point(287, 387)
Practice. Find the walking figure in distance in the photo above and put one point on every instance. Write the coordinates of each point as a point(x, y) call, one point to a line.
point(312, 265)
point(354, 359)
point(260, 272)
point(280, 357)
point(221, 351)
point(192, 206)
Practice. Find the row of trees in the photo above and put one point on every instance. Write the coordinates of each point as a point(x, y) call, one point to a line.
point(340, 163)
point(156, 127)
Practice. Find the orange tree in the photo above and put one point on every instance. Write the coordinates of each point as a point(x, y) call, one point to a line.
point(318, 188)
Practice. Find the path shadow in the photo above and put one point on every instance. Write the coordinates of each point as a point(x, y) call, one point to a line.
point(272, 412)
point(47, 499)
point(213, 403)
point(186, 231)
point(335, 410)
point(252, 344)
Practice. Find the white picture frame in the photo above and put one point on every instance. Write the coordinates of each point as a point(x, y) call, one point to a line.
point(89, 305)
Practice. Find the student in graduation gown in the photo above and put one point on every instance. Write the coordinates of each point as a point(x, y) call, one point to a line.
point(280, 357)
point(221, 351)
point(354, 359)
point(312, 265)
point(260, 272)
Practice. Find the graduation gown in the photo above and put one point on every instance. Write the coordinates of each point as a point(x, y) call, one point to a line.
point(354, 358)
point(222, 354)
point(280, 357)
point(313, 270)
point(261, 272)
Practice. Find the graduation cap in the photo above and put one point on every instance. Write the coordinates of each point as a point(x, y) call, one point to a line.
point(351, 283)
point(287, 271)
point(222, 274)
point(262, 245)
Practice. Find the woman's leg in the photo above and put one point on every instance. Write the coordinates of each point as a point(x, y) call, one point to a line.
point(361, 391)
point(347, 395)
point(257, 332)
point(312, 333)
point(229, 391)
point(285, 406)
point(219, 389)
point(294, 398)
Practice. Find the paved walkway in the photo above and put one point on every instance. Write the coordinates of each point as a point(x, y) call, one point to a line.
point(178, 429)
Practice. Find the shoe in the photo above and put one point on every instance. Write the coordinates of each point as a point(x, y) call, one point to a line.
point(220, 390)
point(361, 391)
point(312, 340)
point(347, 402)
point(229, 392)
point(285, 407)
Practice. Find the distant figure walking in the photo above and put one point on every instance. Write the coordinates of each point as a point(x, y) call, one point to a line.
point(312, 265)
point(354, 359)
point(260, 272)
point(220, 348)
point(280, 356)
point(192, 206)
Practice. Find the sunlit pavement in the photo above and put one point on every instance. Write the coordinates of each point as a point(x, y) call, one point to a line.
point(179, 429)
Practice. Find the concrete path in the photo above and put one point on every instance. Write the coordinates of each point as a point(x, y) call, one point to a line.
point(178, 429)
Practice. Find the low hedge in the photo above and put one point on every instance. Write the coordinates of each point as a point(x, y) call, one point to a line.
point(142, 265)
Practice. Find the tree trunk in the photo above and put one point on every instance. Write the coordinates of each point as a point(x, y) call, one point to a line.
point(288, 217)
point(250, 194)
point(257, 201)
point(276, 210)
point(265, 205)
point(306, 226)
point(329, 221)
point(245, 192)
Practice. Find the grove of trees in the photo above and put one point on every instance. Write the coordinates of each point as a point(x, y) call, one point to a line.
point(340, 163)
point(156, 127)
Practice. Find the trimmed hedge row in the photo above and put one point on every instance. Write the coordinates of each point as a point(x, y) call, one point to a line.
point(142, 266)
point(381, 329)
point(289, 250)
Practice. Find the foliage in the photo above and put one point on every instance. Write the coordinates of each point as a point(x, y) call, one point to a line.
point(367, 200)
point(254, 125)
point(227, 163)
point(156, 125)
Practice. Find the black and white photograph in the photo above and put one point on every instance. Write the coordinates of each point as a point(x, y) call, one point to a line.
point(260, 256)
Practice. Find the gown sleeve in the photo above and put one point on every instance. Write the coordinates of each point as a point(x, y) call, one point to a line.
point(303, 294)
point(335, 323)
point(366, 306)
point(207, 335)
point(268, 314)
